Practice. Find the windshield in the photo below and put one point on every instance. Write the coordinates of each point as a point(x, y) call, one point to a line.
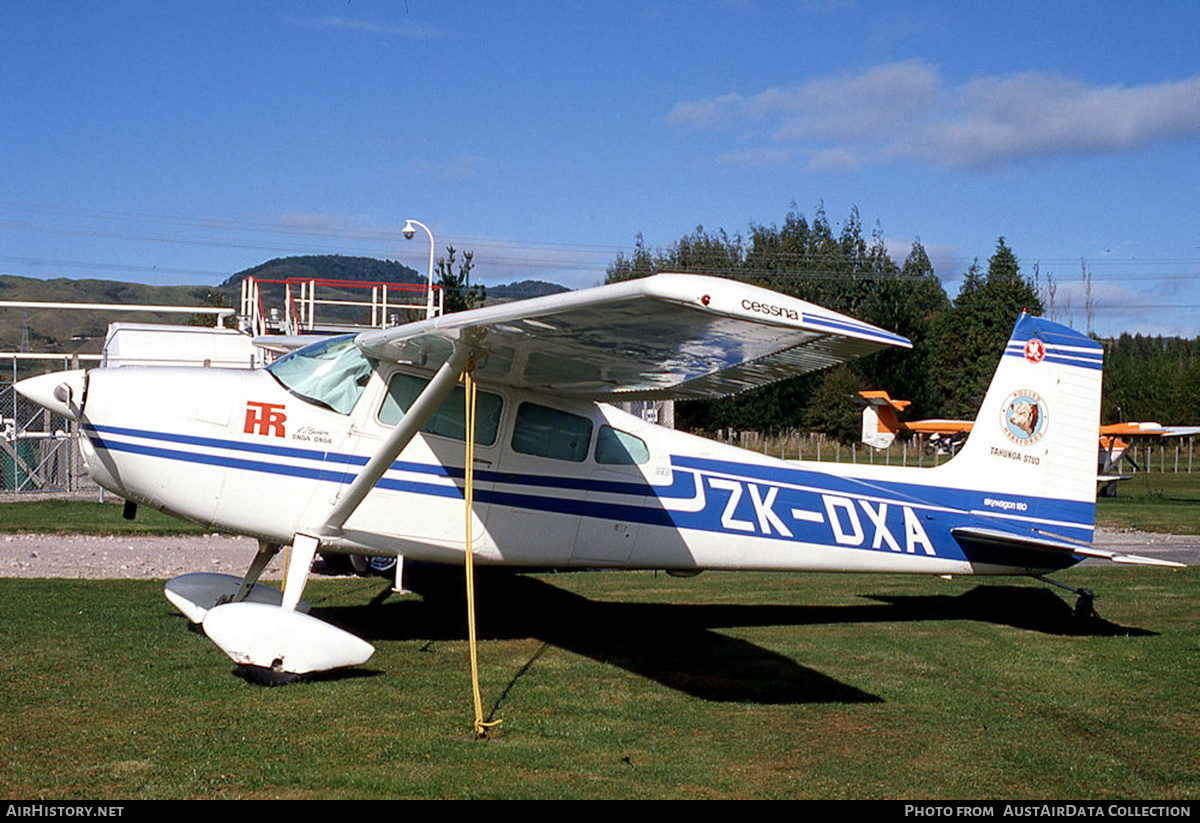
point(332, 373)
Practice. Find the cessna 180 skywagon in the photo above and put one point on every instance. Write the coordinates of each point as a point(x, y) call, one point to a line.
point(359, 444)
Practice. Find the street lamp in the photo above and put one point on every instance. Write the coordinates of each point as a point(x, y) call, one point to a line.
point(408, 231)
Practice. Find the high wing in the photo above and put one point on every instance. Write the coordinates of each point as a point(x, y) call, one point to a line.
point(670, 336)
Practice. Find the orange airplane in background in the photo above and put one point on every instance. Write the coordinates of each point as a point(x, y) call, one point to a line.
point(881, 424)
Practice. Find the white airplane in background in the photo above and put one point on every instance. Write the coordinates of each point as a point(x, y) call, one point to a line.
point(357, 445)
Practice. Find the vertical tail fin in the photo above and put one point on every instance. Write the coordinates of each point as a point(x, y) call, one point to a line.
point(1036, 434)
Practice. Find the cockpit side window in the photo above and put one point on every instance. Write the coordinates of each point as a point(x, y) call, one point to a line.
point(450, 418)
point(331, 374)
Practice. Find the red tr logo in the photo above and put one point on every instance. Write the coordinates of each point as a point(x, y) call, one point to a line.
point(265, 418)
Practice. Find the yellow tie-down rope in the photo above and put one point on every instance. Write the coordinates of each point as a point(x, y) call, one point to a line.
point(481, 727)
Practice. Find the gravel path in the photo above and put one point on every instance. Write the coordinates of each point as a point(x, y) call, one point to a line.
point(145, 558)
point(160, 558)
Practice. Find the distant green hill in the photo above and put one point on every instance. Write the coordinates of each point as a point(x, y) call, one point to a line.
point(522, 290)
point(52, 330)
point(328, 267)
point(370, 270)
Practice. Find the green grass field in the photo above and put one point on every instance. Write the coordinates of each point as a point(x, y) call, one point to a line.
point(624, 685)
point(630, 685)
point(1154, 502)
point(88, 517)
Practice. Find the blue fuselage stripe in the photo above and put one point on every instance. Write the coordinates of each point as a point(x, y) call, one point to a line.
point(779, 502)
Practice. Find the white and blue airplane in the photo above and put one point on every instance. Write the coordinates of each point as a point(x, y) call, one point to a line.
point(357, 445)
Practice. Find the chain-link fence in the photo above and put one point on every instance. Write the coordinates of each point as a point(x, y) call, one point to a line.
point(1147, 454)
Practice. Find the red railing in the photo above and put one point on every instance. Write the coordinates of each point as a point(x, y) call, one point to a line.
point(301, 304)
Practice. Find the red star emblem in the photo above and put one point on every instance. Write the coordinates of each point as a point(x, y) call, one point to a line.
point(1035, 350)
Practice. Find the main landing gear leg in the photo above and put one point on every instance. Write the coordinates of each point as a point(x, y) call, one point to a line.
point(304, 550)
point(398, 586)
point(1085, 606)
point(266, 551)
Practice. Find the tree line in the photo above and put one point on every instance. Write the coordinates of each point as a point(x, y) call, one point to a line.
point(957, 343)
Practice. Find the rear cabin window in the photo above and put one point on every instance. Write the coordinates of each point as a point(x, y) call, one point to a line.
point(617, 448)
point(450, 420)
point(545, 432)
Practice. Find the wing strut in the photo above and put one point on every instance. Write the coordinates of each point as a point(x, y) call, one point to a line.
point(418, 415)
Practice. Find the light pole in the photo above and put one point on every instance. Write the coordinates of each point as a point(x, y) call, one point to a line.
point(408, 231)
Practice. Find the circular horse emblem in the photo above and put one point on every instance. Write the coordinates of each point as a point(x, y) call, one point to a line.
point(1023, 417)
point(1035, 350)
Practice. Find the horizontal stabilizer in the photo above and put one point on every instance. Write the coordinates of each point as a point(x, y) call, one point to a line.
point(1131, 559)
point(881, 399)
point(1001, 539)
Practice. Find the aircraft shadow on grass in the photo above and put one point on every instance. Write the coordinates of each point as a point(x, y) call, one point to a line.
point(677, 645)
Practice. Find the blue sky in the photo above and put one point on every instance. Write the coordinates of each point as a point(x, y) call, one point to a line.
point(175, 143)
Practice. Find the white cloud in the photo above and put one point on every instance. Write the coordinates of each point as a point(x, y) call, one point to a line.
point(854, 108)
point(719, 112)
point(409, 30)
point(1001, 119)
point(759, 158)
point(906, 111)
point(836, 160)
point(842, 107)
